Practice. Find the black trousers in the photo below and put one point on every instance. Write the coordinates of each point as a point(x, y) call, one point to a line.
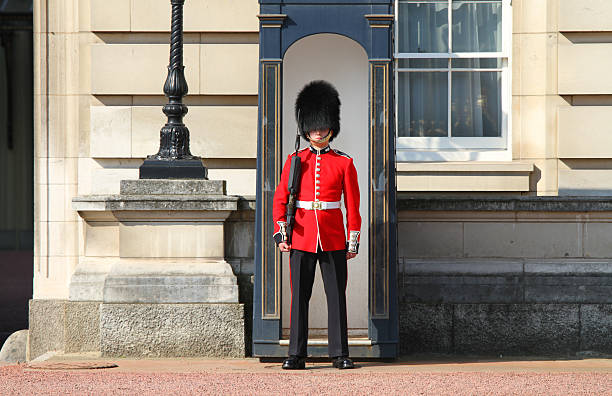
point(334, 272)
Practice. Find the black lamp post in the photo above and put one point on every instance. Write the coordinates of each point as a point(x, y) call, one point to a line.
point(174, 159)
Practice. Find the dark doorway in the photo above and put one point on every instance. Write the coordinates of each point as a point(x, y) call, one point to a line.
point(16, 164)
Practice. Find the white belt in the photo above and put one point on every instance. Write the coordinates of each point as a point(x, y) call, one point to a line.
point(311, 205)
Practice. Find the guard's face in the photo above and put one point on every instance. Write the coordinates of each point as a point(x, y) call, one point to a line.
point(320, 135)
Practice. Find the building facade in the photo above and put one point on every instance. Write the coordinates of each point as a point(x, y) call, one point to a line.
point(497, 186)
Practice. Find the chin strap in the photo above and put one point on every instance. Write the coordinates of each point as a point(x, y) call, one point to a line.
point(322, 140)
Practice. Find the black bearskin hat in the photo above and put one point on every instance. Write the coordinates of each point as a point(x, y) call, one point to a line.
point(318, 107)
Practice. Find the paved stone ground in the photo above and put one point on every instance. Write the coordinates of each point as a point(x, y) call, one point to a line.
point(65, 375)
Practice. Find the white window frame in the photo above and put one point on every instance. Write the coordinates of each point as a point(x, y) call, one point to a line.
point(460, 148)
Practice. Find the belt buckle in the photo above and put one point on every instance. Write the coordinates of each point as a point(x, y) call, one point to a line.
point(316, 205)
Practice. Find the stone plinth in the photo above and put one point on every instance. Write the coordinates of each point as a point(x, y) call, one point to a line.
point(153, 266)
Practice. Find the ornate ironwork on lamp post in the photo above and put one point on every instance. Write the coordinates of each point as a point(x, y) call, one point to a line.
point(174, 159)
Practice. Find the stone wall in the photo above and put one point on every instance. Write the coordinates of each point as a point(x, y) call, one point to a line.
point(510, 276)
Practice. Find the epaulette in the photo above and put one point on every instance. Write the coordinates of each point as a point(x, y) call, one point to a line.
point(341, 153)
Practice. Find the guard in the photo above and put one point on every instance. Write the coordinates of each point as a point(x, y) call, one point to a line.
point(315, 231)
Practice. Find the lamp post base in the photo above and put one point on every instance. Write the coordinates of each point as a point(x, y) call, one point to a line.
point(173, 169)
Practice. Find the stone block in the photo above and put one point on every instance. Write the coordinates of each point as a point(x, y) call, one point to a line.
point(239, 239)
point(597, 240)
point(46, 327)
point(539, 126)
point(576, 289)
point(199, 16)
point(584, 68)
point(136, 69)
point(516, 329)
point(101, 239)
point(229, 69)
point(170, 281)
point(585, 182)
point(172, 187)
point(14, 348)
point(585, 16)
point(87, 281)
point(110, 15)
point(157, 240)
point(425, 328)
point(545, 178)
point(585, 132)
point(238, 123)
point(435, 239)
point(596, 322)
point(172, 330)
point(82, 326)
point(522, 240)
point(463, 289)
point(111, 135)
point(239, 181)
point(538, 64)
point(538, 16)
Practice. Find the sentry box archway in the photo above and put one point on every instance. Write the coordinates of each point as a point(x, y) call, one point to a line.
point(347, 42)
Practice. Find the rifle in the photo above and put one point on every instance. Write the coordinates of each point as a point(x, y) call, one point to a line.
point(293, 185)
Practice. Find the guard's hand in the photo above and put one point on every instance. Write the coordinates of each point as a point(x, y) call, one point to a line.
point(284, 247)
point(350, 255)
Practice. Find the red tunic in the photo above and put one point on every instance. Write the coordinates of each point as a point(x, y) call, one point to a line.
point(336, 175)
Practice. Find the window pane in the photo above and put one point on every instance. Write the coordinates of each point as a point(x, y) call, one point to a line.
point(477, 27)
point(476, 63)
point(423, 104)
point(423, 27)
point(476, 104)
point(423, 63)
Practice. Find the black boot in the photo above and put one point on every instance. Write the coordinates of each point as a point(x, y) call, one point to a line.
point(343, 362)
point(294, 363)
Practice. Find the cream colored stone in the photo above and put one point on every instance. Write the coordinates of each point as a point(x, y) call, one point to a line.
point(544, 180)
point(516, 16)
point(136, 69)
point(477, 167)
point(461, 182)
point(585, 132)
point(141, 239)
point(214, 131)
point(585, 15)
point(63, 64)
point(597, 240)
point(63, 238)
point(63, 16)
point(539, 16)
point(63, 127)
point(84, 16)
point(229, 69)
point(101, 239)
point(516, 64)
point(430, 239)
point(539, 126)
point(239, 181)
point(107, 180)
point(111, 135)
point(584, 68)
point(110, 15)
point(463, 176)
point(516, 127)
point(53, 279)
point(538, 64)
point(57, 202)
point(585, 182)
point(199, 15)
point(523, 240)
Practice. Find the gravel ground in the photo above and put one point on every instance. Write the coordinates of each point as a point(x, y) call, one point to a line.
point(18, 380)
